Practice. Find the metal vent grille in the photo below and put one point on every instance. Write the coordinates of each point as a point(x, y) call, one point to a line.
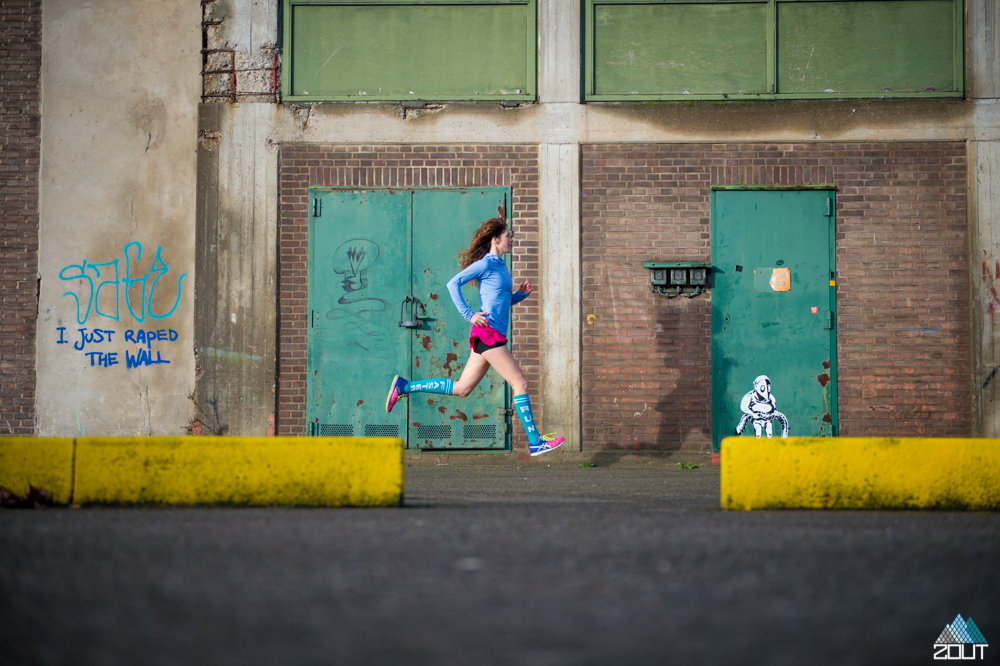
point(434, 432)
point(336, 430)
point(480, 432)
point(381, 430)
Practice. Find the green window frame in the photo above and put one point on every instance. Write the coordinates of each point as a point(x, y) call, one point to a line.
point(650, 50)
point(409, 50)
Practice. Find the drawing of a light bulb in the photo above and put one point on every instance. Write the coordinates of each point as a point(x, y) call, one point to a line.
point(352, 260)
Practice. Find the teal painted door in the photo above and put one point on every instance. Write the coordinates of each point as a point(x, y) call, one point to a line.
point(368, 251)
point(773, 315)
point(359, 271)
point(447, 219)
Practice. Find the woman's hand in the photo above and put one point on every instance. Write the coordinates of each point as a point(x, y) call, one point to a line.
point(480, 320)
point(525, 287)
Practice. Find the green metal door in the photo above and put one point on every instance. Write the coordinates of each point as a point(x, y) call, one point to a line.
point(359, 271)
point(773, 315)
point(369, 251)
point(444, 221)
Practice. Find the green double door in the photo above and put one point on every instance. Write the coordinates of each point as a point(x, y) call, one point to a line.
point(378, 259)
point(773, 314)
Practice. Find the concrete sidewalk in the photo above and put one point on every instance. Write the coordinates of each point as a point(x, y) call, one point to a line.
point(620, 478)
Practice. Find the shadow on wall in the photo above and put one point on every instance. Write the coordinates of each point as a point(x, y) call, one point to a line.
point(683, 355)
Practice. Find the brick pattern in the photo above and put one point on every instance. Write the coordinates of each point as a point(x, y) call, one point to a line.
point(302, 167)
point(902, 293)
point(20, 62)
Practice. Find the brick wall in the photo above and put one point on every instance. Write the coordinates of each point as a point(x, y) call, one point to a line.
point(394, 166)
point(902, 291)
point(20, 62)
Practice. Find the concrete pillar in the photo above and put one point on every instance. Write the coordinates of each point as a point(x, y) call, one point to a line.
point(235, 298)
point(559, 289)
point(984, 213)
point(237, 223)
point(984, 49)
point(558, 51)
point(559, 224)
point(984, 208)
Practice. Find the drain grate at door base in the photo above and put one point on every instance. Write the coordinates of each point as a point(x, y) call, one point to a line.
point(434, 432)
point(336, 430)
point(479, 431)
point(381, 430)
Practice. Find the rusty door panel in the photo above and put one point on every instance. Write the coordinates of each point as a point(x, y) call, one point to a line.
point(773, 313)
point(443, 223)
point(359, 269)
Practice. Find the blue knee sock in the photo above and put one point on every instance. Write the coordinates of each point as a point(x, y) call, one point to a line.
point(442, 386)
point(522, 405)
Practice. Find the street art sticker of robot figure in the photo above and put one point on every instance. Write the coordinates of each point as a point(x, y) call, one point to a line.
point(759, 406)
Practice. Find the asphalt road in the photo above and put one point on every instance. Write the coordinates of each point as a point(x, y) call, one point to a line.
point(496, 565)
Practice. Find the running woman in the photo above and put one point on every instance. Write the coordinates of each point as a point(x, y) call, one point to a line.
point(483, 262)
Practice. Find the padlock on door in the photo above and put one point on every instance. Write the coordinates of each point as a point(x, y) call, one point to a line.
point(413, 322)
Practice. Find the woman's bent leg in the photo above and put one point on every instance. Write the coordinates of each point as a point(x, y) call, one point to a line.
point(475, 369)
point(504, 363)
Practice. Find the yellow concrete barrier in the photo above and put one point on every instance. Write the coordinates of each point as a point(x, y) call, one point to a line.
point(312, 471)
point(40, 462)
point(860, 473)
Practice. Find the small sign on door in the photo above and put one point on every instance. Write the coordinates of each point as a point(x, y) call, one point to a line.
point(781, 279)
point(768, 280)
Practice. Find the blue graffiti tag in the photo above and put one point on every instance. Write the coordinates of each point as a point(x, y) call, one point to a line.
point(137, 358)
point(158, 269)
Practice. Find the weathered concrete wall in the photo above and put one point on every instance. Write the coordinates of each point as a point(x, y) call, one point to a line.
point(983, 43)
point(235, 299)
point(984, 200)
point(668, 122)
point(984, 213)
point(120, 86)
point(240, 49)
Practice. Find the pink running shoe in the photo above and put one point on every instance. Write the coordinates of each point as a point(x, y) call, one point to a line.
point(395, 393)
point(545, 444)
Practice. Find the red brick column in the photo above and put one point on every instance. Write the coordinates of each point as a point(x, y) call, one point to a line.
point(302, 167)
point(20, 63)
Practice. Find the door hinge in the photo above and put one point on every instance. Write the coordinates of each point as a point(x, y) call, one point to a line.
point(829, 206)
point(829, 320)
point(502, 414)
point(317, 207)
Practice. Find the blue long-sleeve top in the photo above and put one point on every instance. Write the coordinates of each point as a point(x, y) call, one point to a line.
point(495, 297)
